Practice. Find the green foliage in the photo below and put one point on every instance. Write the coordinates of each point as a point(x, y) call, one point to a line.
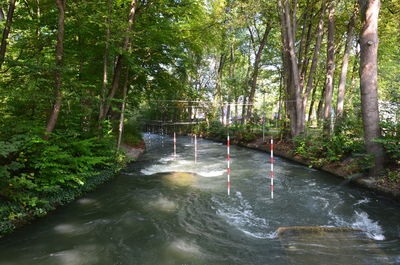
point(319, 149)
point(238, 133)
point(34, 170)
point(391, 140)
point(132, 134)
point(393, 175)
point(217, 131)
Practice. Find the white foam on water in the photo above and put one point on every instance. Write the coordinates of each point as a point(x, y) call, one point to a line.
point(83, 255)
point(163, 204)
point(66, 229)
point(87, 201)
point(168, 164)
point(181, 246)
point(361, 220)
point(185, 162)
point(373, 229)
point(164, 160)
point(322, 200)
point(154, 169)
point(366, 200)
point(211, 174)
point(240, 214)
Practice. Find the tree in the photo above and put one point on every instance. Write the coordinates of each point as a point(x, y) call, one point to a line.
point(118, 65)
point(369, 10)
point(330, 68)
point(314, 62)
point(105, 61)
point(345, 65)
point(123, 105)
point(256, 68)
point(58, 71)
point(293, 83)
point(6, 30)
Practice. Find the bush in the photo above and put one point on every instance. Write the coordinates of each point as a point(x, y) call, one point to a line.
point(132, 135)
point(321, 149)
point(217, 130)
point(34, 170)
point(391, 140)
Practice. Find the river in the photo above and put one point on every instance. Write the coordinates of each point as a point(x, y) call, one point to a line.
point(161, 210)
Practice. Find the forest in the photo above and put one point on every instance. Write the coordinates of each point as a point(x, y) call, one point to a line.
point(78, 78)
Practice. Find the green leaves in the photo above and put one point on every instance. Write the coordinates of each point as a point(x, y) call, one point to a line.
point(391, 141)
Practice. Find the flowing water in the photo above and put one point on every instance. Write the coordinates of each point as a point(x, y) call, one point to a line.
point(162, 210)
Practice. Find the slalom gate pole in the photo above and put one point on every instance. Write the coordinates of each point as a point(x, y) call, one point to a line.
point(272, 167)
point(195, 148)
point(174, 145)
point(229, 166)
point(162, 137)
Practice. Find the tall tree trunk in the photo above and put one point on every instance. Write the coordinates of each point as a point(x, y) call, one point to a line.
point(122, 115)
point(236, 107)
point(244, 105)
point(231, 77)
point(297, 118)
point(368, 81)
point(305, 32)
point(280, 99)
point(58, 72)
point(120, 57)
point(105, 62)
point(38, 31)
point(6, 31)
point(345, 65)
point(314, 63)
point(228, 113)
point(286, 75)
point(315, 86)
point(303, 56)
point(256, 69)
point(2, 17)
point(354, 74)
point(330, 68)
point(310, 111)
point(218, 86)
point(246, 86)
point(320, 108)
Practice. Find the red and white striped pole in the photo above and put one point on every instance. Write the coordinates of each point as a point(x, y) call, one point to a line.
point(228, 144)
point(272, 168)
point(195, 148)
point(174, 145)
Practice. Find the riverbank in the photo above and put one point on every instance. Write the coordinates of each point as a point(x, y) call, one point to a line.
point(347, 168)
point(14, 215)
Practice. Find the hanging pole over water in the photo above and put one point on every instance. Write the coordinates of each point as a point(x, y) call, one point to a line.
point(272, 167)
point(229, 166)
point(174, 145)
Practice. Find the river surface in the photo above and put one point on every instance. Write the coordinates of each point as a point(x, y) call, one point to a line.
point(162, 210)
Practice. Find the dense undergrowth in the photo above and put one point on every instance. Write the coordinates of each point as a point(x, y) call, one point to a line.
point(37, 175)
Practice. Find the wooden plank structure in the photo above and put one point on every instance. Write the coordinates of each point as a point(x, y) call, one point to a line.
point(329, 245)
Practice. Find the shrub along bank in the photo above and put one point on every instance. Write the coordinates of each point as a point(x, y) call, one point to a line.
point(37, 175)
